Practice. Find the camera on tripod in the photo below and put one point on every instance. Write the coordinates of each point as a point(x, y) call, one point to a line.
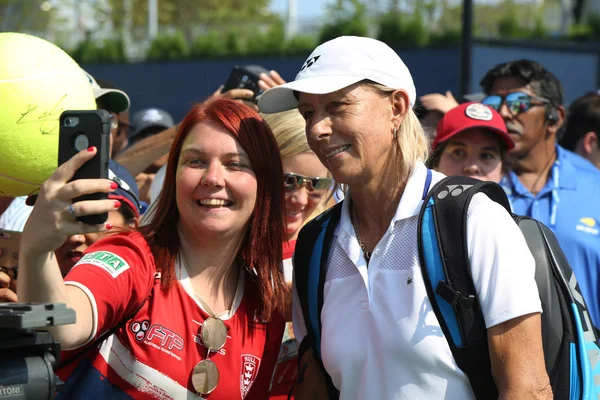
point(28, 356)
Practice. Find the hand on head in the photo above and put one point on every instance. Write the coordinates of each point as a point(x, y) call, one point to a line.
point(246, 95)
point(51, 222)
point(439, 102)
point(270, 81)
point(242, 95)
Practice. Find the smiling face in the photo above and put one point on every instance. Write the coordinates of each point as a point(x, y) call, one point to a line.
point(215, 184)
point(475, 153)
point(350, 131)
point(301, 203)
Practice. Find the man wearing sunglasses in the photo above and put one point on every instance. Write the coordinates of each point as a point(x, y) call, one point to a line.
point(549, 183)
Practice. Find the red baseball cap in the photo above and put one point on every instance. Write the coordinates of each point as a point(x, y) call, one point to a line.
point(468, 116)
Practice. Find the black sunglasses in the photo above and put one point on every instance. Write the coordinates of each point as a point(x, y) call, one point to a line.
point(517, 102)
point(294, 182)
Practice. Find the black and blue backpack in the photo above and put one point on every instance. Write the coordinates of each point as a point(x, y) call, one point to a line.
point(571, 351)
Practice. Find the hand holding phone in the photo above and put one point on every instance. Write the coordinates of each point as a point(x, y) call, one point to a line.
point(80, 130)
point(246, 77)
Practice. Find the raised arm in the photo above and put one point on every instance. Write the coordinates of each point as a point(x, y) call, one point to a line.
point(49, 225)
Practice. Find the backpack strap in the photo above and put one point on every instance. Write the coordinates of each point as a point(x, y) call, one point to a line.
point(310, 268)
point(444, 259)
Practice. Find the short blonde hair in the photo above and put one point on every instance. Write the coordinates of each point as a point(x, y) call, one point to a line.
point(289, 130)
point(413, 145)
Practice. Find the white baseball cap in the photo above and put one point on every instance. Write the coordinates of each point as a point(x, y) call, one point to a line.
point(337, 64)
point(116, 100)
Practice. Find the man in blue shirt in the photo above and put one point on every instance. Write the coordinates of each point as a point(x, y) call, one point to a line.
point(549, 183)
point(582, 132)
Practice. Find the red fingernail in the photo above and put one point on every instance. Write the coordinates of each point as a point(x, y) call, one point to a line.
point(117, 204)
point(114, 185)
point(91, 148)
point(109, 226)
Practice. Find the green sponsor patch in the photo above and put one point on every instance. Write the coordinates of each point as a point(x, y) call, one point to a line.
point(110, 262)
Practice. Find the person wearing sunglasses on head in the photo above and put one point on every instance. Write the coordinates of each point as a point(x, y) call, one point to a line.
point(549, 183)
point(471, 140)
point(189, 305)
point(308, 188)
point(380, 338)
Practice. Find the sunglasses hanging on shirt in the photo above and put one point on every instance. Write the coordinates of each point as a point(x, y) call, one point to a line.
point(205, 375)
point(294, 182)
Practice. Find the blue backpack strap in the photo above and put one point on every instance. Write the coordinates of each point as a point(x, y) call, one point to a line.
point(310, 268)
point(446, 270)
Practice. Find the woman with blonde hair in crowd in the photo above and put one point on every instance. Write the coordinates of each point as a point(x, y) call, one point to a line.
point(189, 305)
point(307, 183)
point(308, 188)
point(379, 337)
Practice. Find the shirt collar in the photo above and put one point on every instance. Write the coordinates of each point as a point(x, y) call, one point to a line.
point(412, 198)
point(410, 202)
point(568, 173)
point(566, 170)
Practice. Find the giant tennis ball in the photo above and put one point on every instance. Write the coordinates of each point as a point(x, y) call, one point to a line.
point(38, 81)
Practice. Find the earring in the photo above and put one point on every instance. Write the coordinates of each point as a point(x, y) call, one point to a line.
point(395, 132)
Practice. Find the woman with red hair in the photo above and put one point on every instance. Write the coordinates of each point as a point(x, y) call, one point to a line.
point(189, 305)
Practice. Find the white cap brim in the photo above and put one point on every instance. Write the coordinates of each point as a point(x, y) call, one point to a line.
point(115, 99)
point(281, 98)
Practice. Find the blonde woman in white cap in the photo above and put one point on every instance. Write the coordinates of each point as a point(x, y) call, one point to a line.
point(380, 338)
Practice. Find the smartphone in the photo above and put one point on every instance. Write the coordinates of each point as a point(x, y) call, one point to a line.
point(245, 77)
point(78, 131)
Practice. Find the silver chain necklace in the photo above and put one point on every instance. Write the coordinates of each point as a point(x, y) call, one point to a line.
point(360, 243)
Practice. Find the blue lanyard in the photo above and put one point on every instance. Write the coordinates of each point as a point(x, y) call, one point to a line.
point(427, 184)
point(554, 198)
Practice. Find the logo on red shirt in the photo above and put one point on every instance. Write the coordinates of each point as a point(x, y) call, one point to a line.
point(157, 336)
point(250, 365)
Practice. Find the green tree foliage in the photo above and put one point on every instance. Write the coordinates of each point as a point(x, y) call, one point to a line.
point(168, 47)
point(188, 15)
point(348, 17)
point(398, 30)
point(24, 16)
point(209, 45)
point(271, 42)
point(593, 21)
point(109, 51)
point(300, 46)
point(508, 25)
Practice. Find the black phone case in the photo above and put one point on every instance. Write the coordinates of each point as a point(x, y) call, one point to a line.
point(92, 129)
point(245, 78)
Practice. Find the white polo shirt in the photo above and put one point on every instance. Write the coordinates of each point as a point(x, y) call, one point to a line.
point(380, 337)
